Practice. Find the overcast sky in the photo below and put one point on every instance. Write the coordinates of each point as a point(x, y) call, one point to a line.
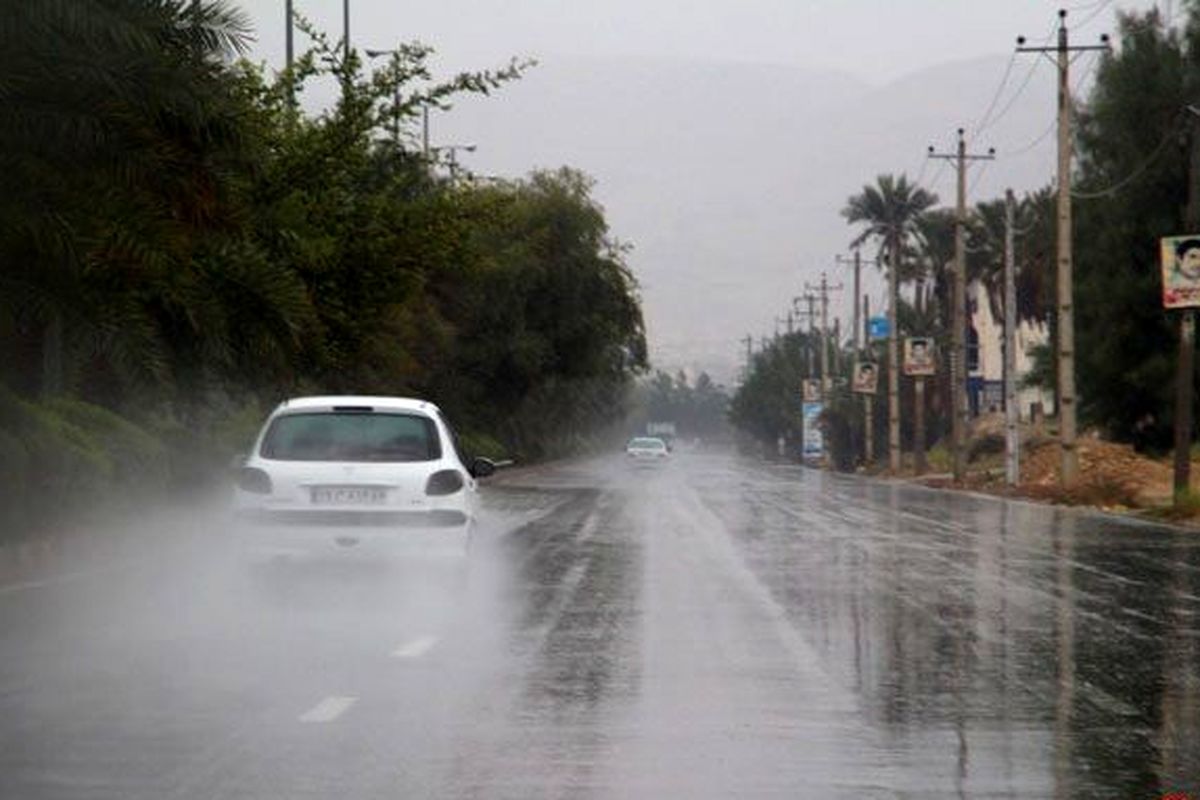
point(726, 136)
point(875, 40)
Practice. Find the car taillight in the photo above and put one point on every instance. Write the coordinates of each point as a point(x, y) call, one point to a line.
point(444, 481)
point(253, 480)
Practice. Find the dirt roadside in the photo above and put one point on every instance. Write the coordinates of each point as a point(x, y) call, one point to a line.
point(1113, 477)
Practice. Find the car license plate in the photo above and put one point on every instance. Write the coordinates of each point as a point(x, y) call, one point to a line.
point(348, 496)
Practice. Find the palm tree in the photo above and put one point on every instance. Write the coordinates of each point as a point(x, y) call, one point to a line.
point(889, 213)
point(118, 144)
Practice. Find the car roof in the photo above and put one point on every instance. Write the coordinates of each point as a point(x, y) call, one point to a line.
point(375, 402)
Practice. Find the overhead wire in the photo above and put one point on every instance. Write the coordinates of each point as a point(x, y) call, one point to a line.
point(1104, 4)
point(987, 114)
point(977, 177)
point(1137, 172)
point(989, 118)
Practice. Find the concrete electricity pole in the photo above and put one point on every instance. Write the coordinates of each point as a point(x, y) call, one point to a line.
point(823, 289)
point(958, 355)
point(810, 300)
point(1066, 400)
point(289, 38)
point(1185, 370)
point(1012, 438)
point(859, 338)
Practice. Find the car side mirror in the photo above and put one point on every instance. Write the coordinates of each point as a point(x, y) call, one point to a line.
point(482, 467)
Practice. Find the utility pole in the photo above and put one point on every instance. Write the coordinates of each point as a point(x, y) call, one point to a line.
point(868, 399)
point(346, 30)
point(1066, 400)
point(958, 355)
point(1184, 372)
point(866, 331)
point(823, 289)
point(425, 131)
point(811, 300)
point(1012, 438)
point(860, 340)
point(791, 322)
point(289, 38)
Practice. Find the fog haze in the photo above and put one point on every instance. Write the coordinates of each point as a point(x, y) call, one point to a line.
point(725, 138)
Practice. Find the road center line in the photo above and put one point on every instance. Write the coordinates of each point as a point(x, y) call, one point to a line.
point(416, 648)
point(328, 709)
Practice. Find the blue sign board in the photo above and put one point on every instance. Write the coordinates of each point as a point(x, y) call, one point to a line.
point(878, 328)
point(814, 441)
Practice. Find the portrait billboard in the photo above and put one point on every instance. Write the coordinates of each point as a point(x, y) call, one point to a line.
point(919, 359)
point(866, 377)
point(1180, 258)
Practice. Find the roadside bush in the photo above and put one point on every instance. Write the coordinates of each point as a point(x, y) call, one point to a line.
point(137, 465)
point(480, 444)
point(56, 466)
point(61, 456)
point(990, 444)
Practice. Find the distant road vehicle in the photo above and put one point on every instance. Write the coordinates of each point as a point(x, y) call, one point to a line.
point(648, 450)
point(372, 473)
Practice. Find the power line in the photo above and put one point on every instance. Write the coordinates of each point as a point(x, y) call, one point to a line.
point(1020, 151)
point(986, 116)
point(978, 177)
point(988, 120)
point(1041, 137)
point(1137, 172)
point(1104, 4)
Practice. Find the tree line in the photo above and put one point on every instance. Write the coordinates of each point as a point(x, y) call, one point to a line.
point(182, 246)
point(1134, 163)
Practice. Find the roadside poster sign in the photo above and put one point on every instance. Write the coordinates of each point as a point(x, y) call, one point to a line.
point(866, 377)
point(878, 328)
point(814, 440)
point(811, 390)
point(919, 356)
point(1180, 257)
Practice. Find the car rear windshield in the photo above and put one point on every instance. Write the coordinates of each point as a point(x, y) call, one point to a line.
point(648, 444)
point(352, 436)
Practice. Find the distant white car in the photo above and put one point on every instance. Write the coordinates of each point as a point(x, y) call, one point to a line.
point(372, 473)
point(647, 450)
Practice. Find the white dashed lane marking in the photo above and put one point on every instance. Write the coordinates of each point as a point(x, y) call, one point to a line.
point(328, 709)
point(416, 648)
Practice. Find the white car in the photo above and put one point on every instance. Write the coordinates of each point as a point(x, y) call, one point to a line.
point(647, 450)
point(372, 473)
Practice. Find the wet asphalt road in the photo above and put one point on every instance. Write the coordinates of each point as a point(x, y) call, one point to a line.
point(718, 628)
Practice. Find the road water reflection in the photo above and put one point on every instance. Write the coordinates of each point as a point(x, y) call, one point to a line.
point(1004, 648)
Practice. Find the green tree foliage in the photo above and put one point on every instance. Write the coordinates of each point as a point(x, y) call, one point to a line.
point(767, 404)
point(1134, 141)
point(697, 410)
point(179, 241)
point(889, 212)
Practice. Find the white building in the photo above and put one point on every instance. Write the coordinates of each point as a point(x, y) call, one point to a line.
point(987, 381)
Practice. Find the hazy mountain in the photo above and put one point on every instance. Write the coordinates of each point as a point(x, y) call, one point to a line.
point(728, 178)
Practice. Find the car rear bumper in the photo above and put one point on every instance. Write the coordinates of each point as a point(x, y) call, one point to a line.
point(286, 533)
